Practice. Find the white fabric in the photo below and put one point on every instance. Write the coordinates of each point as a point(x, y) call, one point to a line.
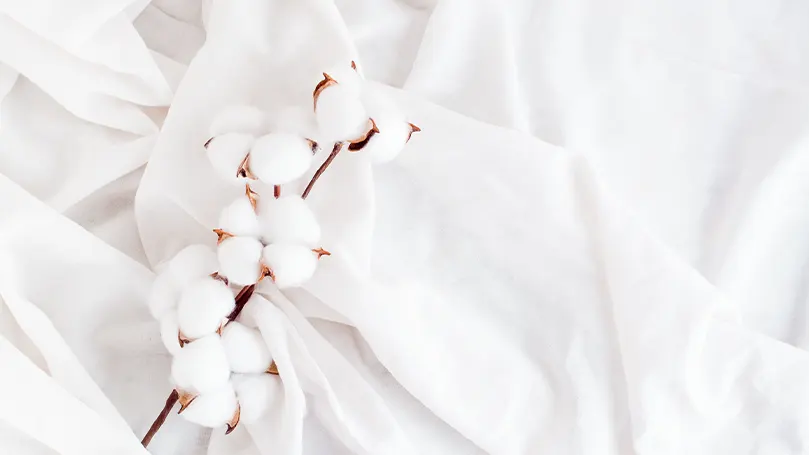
point(639, 286)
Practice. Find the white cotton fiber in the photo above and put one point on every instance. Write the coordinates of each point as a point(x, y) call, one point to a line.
point(213, 409)
point(394, 130)
point(238, 119)
point(239, 260)
point(346, 76)
point(246, 350)
point(170, 331)
point(279, 158)
point(201, 366)
point(191, 263)
point(204, 305)
point(389, 141)
point(297, 120)
point(256, 394)
point(226, 153)
point(292, 265)
point(239, 218)
point(288, 219)
point(163, 296)
point(340, 114)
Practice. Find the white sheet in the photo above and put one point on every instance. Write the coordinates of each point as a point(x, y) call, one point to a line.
point(637, 287)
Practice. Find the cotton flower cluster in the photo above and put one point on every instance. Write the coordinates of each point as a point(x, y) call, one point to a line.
point(238, 150)
point(221, 368)
point(268, 237)
point(347, 110)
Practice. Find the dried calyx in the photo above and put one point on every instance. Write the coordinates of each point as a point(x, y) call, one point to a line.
point(359, 143)
point(244, 169)
point(322, 85)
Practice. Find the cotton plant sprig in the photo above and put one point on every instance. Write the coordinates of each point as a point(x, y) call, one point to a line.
point(222, 371)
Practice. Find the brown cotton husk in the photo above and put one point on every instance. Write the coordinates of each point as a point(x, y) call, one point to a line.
point(327, 81)
point(413, 129)
point(313, 146)
point(320, 252)
point(266, 272)
point(252, 196)
point(234, 421)
point(358, 144)
point(273, 369)
point(244, 169)
point(217, 276)
point(182, 339)
point(185, 400)
point(222, 235)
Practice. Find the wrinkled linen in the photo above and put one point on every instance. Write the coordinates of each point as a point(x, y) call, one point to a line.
point(596, 244)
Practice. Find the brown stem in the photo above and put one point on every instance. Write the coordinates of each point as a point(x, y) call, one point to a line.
point(241, 300)
point(170, 402)
point(276, 190)
point(334, 151)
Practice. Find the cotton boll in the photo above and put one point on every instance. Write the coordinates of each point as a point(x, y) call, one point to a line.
point(394, 130)
point(391, 139)
point(239, 260)
point(288, 219)
point(279, 158)
point(238, 119)
point(239, 218)
point(292, 265)
point(340, 114)
point(213, 409)
point(201, 366)
point(163, 296)
point(246, 350)
point(227, 152)
point(191, 263)
point(169, 332)
point(203, 306)
point(256, 394)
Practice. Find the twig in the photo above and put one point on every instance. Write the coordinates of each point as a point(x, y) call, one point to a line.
point(334, 151)
point(170, 402)
point(241, 300)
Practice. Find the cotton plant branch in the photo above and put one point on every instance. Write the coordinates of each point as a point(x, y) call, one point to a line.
point(334, 151)
point(174, 397)
point(213, 345)
point(241, 300)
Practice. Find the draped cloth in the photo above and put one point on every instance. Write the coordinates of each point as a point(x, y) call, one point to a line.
point(596, 245)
